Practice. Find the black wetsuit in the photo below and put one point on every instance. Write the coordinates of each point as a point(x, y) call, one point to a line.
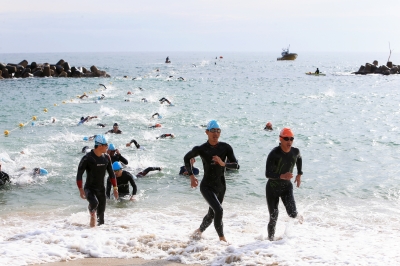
point(119, 158)
point(123, 185)
point(136, 144)
point(213, 185)
point(112, 131)
point(163, 136)
point(194, 170)
point(147, 170)
point(280, 162)
point(4, 178)
point(95, 168)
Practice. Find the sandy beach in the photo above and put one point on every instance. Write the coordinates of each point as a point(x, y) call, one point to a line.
point(115, 262)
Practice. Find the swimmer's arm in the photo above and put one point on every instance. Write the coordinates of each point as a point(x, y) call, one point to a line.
point(233, 164)
point(191, 154)
point(299, 164)
point(123, 160)
point(133, 184)
point(108, 190)
point(270, 167)
point(81, 170)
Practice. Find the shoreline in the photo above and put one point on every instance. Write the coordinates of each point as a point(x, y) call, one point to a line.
point(114, 262)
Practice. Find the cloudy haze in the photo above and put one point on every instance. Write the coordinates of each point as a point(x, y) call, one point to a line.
point(157, 25)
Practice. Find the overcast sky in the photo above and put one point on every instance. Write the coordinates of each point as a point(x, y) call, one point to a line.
point(207, 25)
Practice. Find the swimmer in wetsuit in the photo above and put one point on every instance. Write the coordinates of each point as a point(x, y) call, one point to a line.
point(163, 100)
point(4, 178)
point(133, 141)
point(123, 180)
point(147, 170)
point(213, 154)
point(279, 167)
point(115, 129)
point(156, 114)
point(268, 126)
point(195, 170)
point(317, 71)
point(96, 163)
point(115, 155)
point(163, 136)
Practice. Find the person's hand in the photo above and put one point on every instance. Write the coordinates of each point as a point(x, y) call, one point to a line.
point(298, 180)
point(218, 160)
point(117, 152)
point(193, 181)
point(82, 193)
point(185, 173)
point(116, 196)
point(132, 198)
point(286, 176)
point(128, 144)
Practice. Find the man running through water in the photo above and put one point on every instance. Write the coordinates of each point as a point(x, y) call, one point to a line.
point(279, 169)
point(96, 163)
point(213, 154)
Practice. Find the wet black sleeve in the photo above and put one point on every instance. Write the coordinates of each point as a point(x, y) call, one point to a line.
point(299, 164)
point(270, 166)
point(233, 164)
point(133, 184)
point(110, 171)
point(122, 159)
point(81, 170)
point(108, 190)
point(191, 154)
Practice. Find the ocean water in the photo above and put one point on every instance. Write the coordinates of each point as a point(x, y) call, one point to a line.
point(346, 127)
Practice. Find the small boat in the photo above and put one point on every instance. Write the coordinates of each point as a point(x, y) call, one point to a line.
point(315, 74)
point(286, 55)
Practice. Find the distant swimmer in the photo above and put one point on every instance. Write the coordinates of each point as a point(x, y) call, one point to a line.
point(163, 100)
point(144, 100)
point(101, 125)
point(123, 178)
point(103, 86)
point(156, 114)
point(195, 170)
point(181, 79)
point(194, 65)
point(40, 171)
point(279, 171)
point(129, 92)
point(101, 97)
point(133, 141)
point(155, 126)
point(4, 178)
point(96, 163)
point(147, 170)
point(213, 153)
point(140, 88)
point(268, 126)
point(115, 154)
point(85, 149)
point(127, 100)
point(83, 96)
point(115, 129)
point(86, 119)
point(317, 71)
point(163, 136)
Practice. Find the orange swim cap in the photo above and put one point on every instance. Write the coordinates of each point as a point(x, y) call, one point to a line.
point(129, 92)
point(158, 125)
point(286, 132)
point(268, 124)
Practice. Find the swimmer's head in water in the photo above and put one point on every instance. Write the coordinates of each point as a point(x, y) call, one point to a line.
point(158, 125)
point(85, 149)
point(116, 166)
point(100, 140)
point(269, 124)
point(212, 124)
point(82, 118)
point(111, 147)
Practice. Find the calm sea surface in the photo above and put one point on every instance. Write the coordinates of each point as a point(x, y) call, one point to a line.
point(346, 127)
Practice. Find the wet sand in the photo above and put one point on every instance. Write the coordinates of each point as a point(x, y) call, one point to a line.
point(115, 262)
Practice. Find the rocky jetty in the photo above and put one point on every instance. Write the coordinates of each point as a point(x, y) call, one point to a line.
point(61, 69)
point(373, 68)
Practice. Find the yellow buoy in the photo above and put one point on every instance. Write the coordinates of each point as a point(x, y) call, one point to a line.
point(45, 110)
point(55, 104)
point(6, 132)
point(72, 100)
point(34, 118)
point(96, 90)
point(21, 125)
point(63, 102)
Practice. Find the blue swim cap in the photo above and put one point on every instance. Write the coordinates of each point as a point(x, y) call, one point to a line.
point(111, 147)
point(33, 123)
point(212, 124)
point(116, 166)
point(43, 171)
point(85, 138)
point(100, 139)
point(159, 116)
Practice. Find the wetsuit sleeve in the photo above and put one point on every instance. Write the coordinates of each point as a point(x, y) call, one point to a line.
point(133, 184)
point(191, 154)
point(136, 144)
point(110, 171)
point(270, 167)
point(299, 164)
point(81, 170)
point(122, 159)
point(108, 190)
point(233, 164)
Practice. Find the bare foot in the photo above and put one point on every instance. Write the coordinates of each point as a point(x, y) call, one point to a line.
point(222, 238)
point(300, 218)
point(196, 235)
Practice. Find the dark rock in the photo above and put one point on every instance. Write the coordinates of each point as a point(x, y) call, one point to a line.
point(375, 63)
point(46, 70)
point(61, 62)
point(1, 72)
point(69, 73)
point(367, 68)
point(63, 74)
point(389, 64)
point(66, 66)
point(11, 69)
point(2, 66)
point(5, 73)
point(33, 65)
point(386, 72)
point(84, 70)
point(38, 73)
point(94, 69)
point(59, 69)
point(23, 63)
point(27, 75)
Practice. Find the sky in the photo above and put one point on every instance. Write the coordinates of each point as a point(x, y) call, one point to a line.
point(203, 25)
